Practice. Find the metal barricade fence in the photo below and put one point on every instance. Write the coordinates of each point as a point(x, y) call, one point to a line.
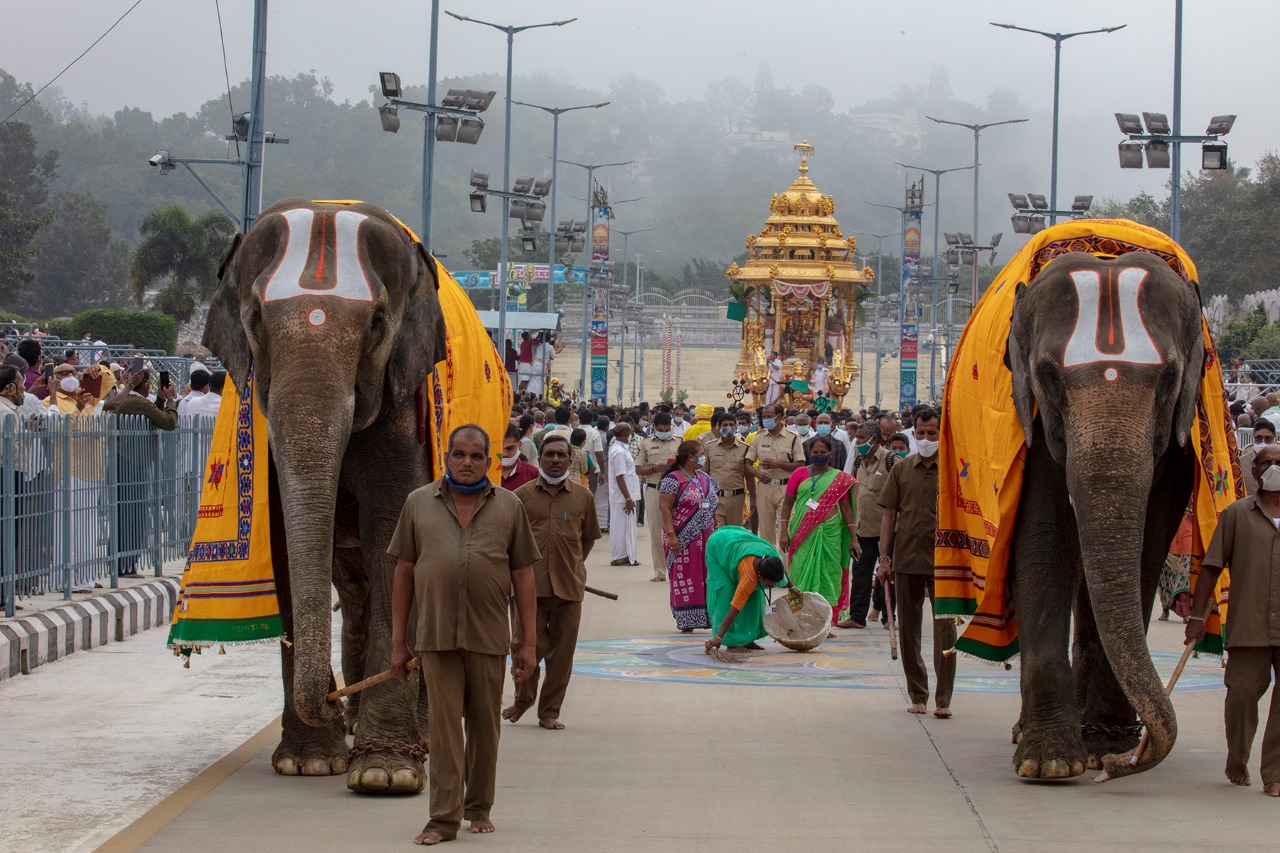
point(86, 498)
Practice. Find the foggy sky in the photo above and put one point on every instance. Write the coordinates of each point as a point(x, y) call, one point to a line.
point(166, 57)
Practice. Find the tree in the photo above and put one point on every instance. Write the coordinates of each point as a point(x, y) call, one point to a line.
point(484, 254)
point(184, 253)
point(24, 179)
point(80, 266)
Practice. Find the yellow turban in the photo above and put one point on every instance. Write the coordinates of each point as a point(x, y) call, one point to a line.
point(704, 412)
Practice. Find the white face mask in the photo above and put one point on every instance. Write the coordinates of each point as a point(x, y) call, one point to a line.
point(555, 481)
point(926, 447)
point(508, 461)
point(1258, 445)
point(1270, 479)
point(702, 460)
point(69, 385)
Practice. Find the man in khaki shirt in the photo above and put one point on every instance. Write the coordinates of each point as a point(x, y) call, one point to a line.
point(868, 465)
point(462, 546)
point(656, 453)
point(907, 533)
point(726, 454)
point(563, 516)
point(779, 452)
point(1247, 542)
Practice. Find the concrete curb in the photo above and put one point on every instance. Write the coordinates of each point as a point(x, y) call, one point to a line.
point(26, 642)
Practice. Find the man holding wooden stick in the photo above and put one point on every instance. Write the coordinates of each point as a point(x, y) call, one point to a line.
point(565, 527)
point(462, 547)
point(1247, 540)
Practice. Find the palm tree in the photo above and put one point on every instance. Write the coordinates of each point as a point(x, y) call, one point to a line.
point(182, 251)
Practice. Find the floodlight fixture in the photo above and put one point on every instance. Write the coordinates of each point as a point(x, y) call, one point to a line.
point(564, 226)
point(390, 82)
point(1220, 125)
point(522, 185)
point(1081, 204)
point(562, 245)
point(1038, 202)
point(1019, 201)
point(1213, 156)
point(454, 99)
point(953, 257)
point(479, 202)
point(951, 238)
point(479, 180)
point(579, 226)
point(479, 101)
point(995, 240)
point(519, 208)
point(968, 256)
point(1157, 155)
point(469, 130)
point(542, 187)
point(1130, 155)
point(389, 115)
point(1021, 223)
point(240, 125)
point(529, 243)
point(446, 129)
point(966, 239)
point(1037, 222)
point(535, 211)
point(1129, 123)
point(1157, 124)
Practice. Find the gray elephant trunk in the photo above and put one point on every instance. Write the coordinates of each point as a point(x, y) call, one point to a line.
point(308, 457)
point(1116, 469)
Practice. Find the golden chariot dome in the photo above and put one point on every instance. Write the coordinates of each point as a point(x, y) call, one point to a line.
point(797, 292)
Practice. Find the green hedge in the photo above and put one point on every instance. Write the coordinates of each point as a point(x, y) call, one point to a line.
point(146, 329)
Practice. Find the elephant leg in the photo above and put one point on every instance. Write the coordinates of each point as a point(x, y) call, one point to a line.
point(353, 596)
point(303, 750)
point(1109, 723)
point(389, 752)
point(1045, 573)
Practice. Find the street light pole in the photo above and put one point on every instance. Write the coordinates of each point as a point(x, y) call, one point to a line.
point(555, 112)
point(1175, 193)
point(429, 127)
point(1058, 39)
point(933, 278)
point(506, 161)
point(251, 198)
point(879, 238)
point(977, 130)
point(586, 281)
point(621, 371)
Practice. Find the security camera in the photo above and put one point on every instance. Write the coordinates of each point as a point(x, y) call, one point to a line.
point(160, 158)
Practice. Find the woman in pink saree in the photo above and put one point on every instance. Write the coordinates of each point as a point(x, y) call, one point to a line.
point(688, 500)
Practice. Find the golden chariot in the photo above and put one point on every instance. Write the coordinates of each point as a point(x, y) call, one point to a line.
point(799, 287)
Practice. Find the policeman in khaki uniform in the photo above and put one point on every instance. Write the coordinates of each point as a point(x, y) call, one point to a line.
point(656, 453)
point(726, 454)
point(868, 464)
point(779, 452)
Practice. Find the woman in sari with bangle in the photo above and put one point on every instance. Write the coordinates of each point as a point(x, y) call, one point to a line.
point(739, 566)
point(818, 539)
point(688, 500)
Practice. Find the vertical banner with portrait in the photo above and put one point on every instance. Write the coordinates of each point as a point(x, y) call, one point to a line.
point(598, 291)
point(907, 306)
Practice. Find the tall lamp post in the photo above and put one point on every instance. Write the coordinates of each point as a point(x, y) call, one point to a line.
point(977, 131)
point(622, 370)
point(1058, 39)
point(933, 277)
point(586, 282)
point(555, 112)
point(879, 238)
point(511, 31)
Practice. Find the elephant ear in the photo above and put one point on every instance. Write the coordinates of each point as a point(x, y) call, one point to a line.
point(224, 333)
point(1017, 359)
point(1184, 413)
point(422, 337)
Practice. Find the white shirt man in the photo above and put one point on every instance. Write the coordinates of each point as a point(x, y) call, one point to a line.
point(820, 377)
point(624, 497)
point(543, 354)
point(679, 423)
point(775, 380)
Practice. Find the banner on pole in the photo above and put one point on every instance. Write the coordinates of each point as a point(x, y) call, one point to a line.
point(907, 302)
point(599, 290)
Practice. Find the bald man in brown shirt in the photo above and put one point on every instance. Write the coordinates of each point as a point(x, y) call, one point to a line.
point(462, 548)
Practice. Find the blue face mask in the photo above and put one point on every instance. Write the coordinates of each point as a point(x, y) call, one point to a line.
point(769, 423)
point(662, 435)
point(900, 454)
point(464, 488)
point(803, 429)
point(823, 429)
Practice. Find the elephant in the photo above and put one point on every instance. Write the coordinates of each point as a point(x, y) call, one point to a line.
point(1106, 357)
point(334, 307)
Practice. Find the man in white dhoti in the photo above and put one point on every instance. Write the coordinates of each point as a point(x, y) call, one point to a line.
point(624, 494)
point(542, 355)
point(820, 376)
point(775, 379)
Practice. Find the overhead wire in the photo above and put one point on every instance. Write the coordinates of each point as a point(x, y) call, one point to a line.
point(226, 73)
point(36, 94)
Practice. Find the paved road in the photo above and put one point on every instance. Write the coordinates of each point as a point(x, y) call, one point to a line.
point(698, 762)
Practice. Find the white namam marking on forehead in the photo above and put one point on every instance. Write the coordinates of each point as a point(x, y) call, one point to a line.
point(1122, 332)
point(337, 273)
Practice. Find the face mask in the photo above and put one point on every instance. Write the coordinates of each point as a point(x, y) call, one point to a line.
point(678, 420)
point(769, 423)
point(69, 385)
point(727, 432)
point(508, 461)
point(464, 488)
point(1258, 445)
point(662, 434)
point(864, 449)
point(803, 429)
point(823, 429)
point(820, 460)
point(1270, 479)
point(927, 448)
point(899, 454)
point(702, 460)
point(555, 481)
point(744, 429)
point(644, 426)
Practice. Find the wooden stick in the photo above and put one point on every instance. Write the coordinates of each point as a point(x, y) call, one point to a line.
point(368, 682)
point(893, 623)
point(612, 596)
point(1168, 691)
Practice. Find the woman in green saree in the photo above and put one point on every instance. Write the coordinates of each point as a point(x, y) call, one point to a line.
point(819, 538)
point(739, 564)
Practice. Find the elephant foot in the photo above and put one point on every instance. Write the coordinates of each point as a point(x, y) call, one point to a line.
point(389, 770)
point(1048, 756)
point(323, 753)
point(1101, 740)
